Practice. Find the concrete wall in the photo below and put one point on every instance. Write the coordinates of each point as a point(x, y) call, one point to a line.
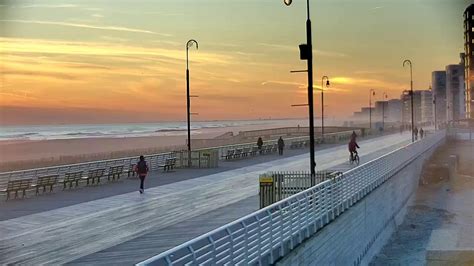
point(361, 231)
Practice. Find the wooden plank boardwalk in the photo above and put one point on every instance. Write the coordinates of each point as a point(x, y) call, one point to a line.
point(70, 233)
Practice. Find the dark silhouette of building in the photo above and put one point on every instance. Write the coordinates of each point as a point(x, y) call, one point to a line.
point(469, 59)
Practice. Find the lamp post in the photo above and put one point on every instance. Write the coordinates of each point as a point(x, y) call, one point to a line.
point(434, 107)
point(371, 93)
point(189, 44)
point(322, 104)
point(384, 97)
point(411, 98)
point(306, 53)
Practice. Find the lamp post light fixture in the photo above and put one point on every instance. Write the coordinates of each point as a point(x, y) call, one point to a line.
point(306, 53)
point(408, 62)
point(322, 103)
point(189, 44)
point(371, 93)
point(384, 97)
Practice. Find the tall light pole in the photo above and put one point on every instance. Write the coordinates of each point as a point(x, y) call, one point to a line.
point(411, 98)
point(306, 53)
point(322, 103)
point(434, 107)
point(189, 44)
point(384, 97)
point(371, 93)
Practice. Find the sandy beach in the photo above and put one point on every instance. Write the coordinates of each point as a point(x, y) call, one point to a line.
point(24, 154)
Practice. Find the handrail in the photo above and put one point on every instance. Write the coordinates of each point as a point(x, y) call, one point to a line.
point(268, 234)
point(19, 174)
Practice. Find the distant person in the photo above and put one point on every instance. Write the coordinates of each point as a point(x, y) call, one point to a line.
point(260, 144)
point(281, 146)
point(415, 133)
point(353, 148)
point(353, 135)
point(142, 171)
point(422, 132)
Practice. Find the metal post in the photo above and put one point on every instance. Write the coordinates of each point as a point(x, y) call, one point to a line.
point(372, 91)
point(309, 53)
point(384, 96)
point(322, 104)
point(309, 42)
point(188, 100)
point(411, 94)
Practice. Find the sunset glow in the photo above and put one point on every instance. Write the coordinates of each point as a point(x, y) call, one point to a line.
point(127, 58)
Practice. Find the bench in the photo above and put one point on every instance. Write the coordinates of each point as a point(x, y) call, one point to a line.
point(17, 185)
point(72, 177)
point(131, 170)
point(115, 172)
point(246, 152)
point(46, 181)
point(238, 153)
point(93, 175)
point(229, 155)
point(168, 165)
point(254, 151)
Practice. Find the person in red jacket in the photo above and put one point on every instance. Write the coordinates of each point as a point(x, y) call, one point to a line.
point(353, 148)
point(142, 171)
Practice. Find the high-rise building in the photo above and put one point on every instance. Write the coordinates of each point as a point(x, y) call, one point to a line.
point(427, 107)
point(394, 113)
point(469, 59)
point(406, 107)
point(455, 98)
point(438, 85)
point(380, 110)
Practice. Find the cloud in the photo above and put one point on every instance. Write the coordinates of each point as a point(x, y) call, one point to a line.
point(86, 26)
point(281, 83)
point(97, 15)
point(49, 6)
point(38, 74)
point(70, 48)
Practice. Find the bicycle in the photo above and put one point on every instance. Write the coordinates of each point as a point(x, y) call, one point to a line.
point(354, 159)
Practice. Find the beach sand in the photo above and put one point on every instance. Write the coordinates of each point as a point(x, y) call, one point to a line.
point(25, 154)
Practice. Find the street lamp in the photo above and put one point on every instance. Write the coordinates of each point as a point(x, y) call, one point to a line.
point(371, 93)
point(384, 97)
point(189, 44)
point(306, 53)
point(411, 98)
point(322, 104)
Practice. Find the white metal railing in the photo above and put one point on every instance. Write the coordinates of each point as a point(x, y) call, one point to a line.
point(268, 234)
point(153, 160)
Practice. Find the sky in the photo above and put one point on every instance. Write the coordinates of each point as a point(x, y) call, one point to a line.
point(113, 61)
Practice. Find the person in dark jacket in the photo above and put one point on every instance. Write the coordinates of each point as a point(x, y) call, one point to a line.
point(353, 148)
point(422, 133)
point(260, 144)
point(281, 146)
point(142, 171)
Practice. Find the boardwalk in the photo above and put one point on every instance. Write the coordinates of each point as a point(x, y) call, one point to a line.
point(72, 233)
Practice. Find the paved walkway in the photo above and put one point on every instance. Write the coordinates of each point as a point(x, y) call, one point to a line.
point(65, 234)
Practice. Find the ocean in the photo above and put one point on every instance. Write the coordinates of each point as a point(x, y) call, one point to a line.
point(50, 132)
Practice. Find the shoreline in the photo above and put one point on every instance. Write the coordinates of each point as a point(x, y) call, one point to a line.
point(27, 154)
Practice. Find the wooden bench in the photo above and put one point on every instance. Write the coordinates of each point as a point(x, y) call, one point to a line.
point(229, 155)
point(17, 185)
point(169, 164)
point(72, 177)
point(46, 181)
point(131, 170)
point(115, 172)
point(238, 153)
point(246, 152)
point(93, 175)
point(254, 151)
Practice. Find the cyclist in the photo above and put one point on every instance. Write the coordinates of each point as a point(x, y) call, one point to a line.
point(353, 148)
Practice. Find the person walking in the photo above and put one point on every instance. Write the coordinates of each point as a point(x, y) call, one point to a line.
point(281, 146)
point(260, 144)
point(142, 171)
point(422, 132)
point(415, 133)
